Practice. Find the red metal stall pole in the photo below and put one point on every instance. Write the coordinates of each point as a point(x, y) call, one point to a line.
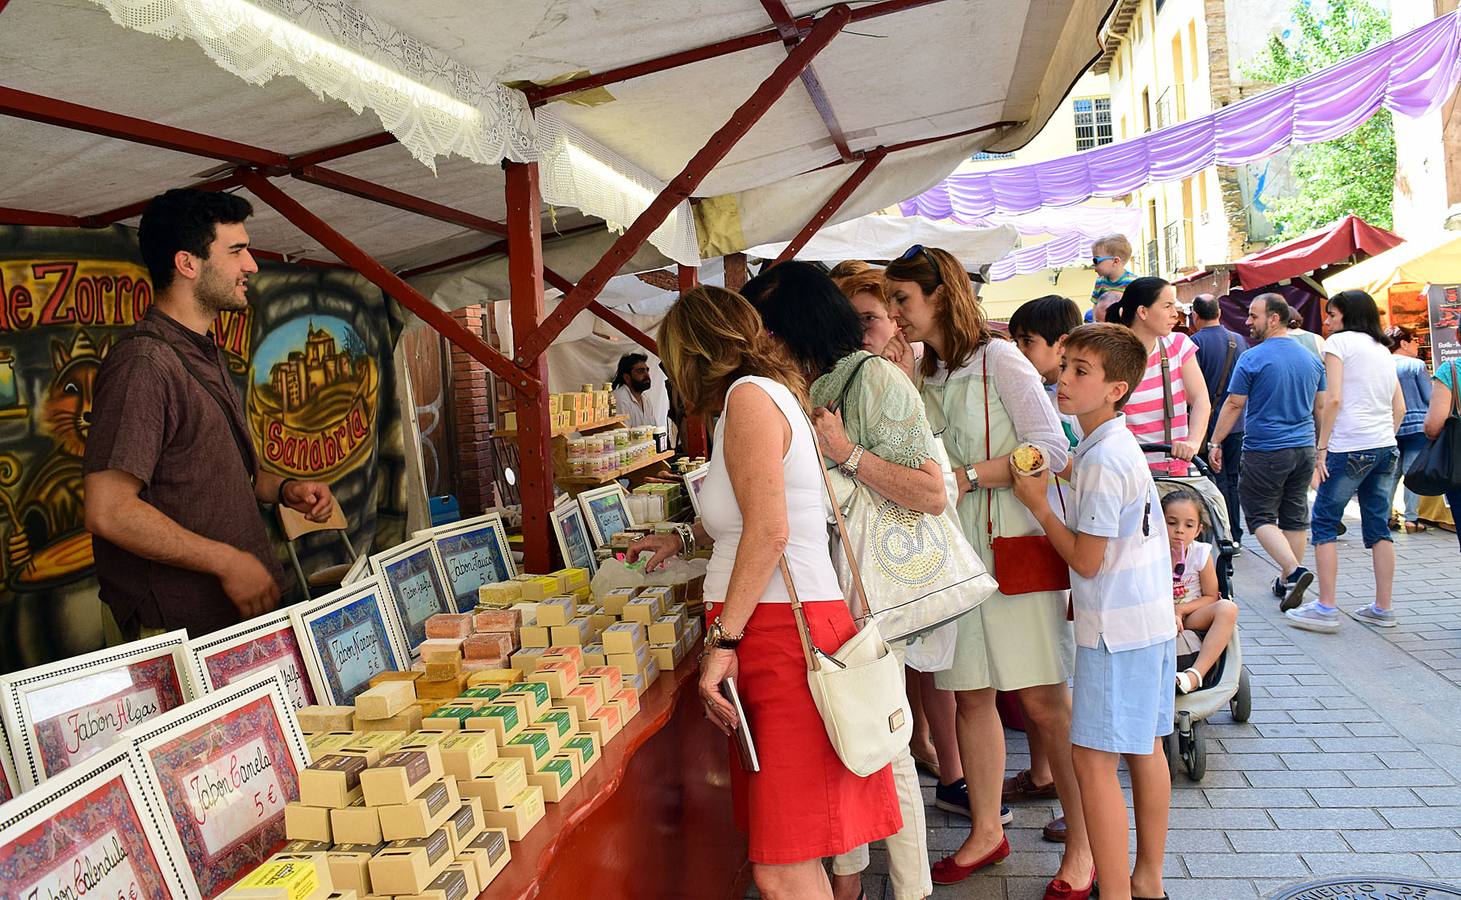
point(696, 443)
point(833, 204)
point(605, 314)
point(534, 424)
point(389, 282)
point(683, 184)
point(687, 277)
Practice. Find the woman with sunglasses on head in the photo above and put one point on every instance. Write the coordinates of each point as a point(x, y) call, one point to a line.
point(870, 421)
point(1171, 405)
point(803, 803)
point(986, 399)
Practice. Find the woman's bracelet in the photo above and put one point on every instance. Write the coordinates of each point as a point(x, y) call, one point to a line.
point(687, 538)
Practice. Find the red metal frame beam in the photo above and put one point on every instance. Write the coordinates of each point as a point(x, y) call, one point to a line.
point(534, 425)
point(687, 277)
point(12, 216)
point(342, 150)
point(833, 204)
point(700, 165)
point(23, 105)
point(366, 190)
point(389, 282)
point(626, 328)
point(785, 24)
point(920, 142)
point(489, 250)
point(537, 96)
point(123, 213)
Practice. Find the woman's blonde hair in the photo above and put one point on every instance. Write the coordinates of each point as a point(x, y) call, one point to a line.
point(959, 315)
point(868, 281)
point(711, 337)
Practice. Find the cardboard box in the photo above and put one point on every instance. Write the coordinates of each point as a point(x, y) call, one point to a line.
point(467, 755)
point(615, 600)
point(497, 620)
point(350, 866)
point(575, 633)
point(305, 847)
point(664, 657)
point(536, 693)
point(593, 654)
point(643, 610)
point(465, 824)
point(571, 652)
point(622, 638)
point(440, 650)
point(420, 817)
point(448, 717)
point(294, 878)
point(504, 721)
point(408, 866)
point(307, 823)
point(319, 744)
point(518, 815)
point(651, 672)
point(630, 701)
point(501, 677)
point(602, 684)
point(604, 724)
point(557, 777)
point(584, 700)
point(408, 719)
point(563, 719)
point(631, 664)
point(383, 740)
point(420, 739)
point(503, 779)
point(666, 630)
point(635, 680)
point(449, 625)
point(561, 676)
point(532, 746)
point(491, 645)
point(539, 636)
point(427, 707)
point(333, 780)
point(483, 692)
point(550, 731)
point(452, 884)
point(385, 700)
point(358, 824)
point(526, 659)
point(322, 719)
point(537, 587)
point(586, 745)
point(555, 611)
point(401, 776)
point(501, 594)
point(488, 853)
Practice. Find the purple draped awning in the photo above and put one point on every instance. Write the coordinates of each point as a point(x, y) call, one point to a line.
point(1410, 75)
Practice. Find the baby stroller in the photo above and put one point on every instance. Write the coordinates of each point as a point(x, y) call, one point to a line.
point(1227, 684)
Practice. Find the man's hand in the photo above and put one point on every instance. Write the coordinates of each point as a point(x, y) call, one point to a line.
point(1031, 490)
point(1215, 457)
point(832, 434)
point(313, 498)
point(248, 584)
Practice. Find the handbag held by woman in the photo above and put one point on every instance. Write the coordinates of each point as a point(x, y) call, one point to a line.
point(1438, 468)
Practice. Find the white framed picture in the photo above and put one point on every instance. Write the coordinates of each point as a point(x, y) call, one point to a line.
point(7, 769)
point(91, 831)
point(472, 553)
point(412, 578)
point(59, 714)
point(348, 637)
point(694, 480)
point(358, 571)
point(220, 770)
point(606, 511)
point(241, 650)
point(573, 537)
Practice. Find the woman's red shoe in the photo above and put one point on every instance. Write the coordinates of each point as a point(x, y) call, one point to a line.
point(946, 871)
point(1062, 890)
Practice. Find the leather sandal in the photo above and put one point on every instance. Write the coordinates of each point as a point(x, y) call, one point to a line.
point(1022, 787)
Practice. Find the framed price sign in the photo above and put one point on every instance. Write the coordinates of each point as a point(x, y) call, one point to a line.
point(59, 714)
point(472, 553)
point(221, 769)
point(92, 831)
point(347, 637)
point(8, 786)
point(225, 656)
point(418, 590)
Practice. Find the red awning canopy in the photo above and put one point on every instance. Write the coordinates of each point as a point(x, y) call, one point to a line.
point(1340, 242)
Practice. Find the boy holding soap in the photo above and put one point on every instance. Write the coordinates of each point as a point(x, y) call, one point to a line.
point(1116, 546)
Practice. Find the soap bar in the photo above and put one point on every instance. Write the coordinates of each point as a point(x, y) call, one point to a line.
point(440, 650)
point(449, 625)
point(490, 645)
point(494, 677)
point(497, 620)
point(384, 700)
point(408, 719)
point(445, 689)
point(442, 671)
point(320, 719)
point(501, 594)
point(379, 677)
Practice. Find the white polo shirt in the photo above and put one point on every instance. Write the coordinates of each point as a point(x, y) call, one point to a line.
point(1129, 601)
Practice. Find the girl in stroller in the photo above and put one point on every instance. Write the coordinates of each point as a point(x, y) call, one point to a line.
point(1199, 605)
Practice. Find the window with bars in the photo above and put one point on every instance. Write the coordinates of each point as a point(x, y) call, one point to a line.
point(1092, 122)
point(983, 156)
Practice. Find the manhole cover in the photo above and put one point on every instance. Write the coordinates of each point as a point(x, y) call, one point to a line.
point(1384, 887)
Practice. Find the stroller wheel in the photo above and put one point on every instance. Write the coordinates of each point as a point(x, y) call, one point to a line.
point(1172, 744)
point(1196, 756)
point(1241, 705)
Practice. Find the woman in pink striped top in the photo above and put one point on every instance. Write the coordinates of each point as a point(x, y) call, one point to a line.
point(1171, 408)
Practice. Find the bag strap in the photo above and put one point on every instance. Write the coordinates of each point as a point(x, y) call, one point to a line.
point(1213, 392)
point(847, 385)
point(1169, 410)
point(989, 454)
point(239, 440)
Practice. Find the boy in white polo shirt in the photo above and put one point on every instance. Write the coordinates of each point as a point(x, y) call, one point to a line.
point(1121, 591)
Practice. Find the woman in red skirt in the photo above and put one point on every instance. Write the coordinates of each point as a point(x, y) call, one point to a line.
point(803, 804)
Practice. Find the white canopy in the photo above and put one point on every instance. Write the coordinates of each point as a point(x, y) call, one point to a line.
point(886, 237)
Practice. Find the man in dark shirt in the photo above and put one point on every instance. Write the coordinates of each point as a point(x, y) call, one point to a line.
point(172, 479)
point(1218, 350)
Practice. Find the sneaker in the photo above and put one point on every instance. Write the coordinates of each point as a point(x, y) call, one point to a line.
point(1373, 615)
point(1313, 617)
point(954, 798)
point(1280, 587)
point(1296, 584)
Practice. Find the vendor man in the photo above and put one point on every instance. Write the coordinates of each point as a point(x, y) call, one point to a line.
point(172, 479)
point(641, 406)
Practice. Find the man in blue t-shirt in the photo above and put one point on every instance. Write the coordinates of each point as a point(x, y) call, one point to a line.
point(1275, 388)
point(1218, 352)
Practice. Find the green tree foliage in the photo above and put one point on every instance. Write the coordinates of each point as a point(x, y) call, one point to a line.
point(1351, 174)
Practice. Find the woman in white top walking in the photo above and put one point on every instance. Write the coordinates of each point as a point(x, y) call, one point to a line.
point(1357, 456)
point(802, 804)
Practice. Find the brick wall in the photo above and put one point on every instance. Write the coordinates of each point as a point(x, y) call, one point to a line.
point(473, 415)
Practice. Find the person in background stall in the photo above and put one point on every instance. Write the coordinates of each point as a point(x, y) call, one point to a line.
point(1109, 256)
point(1103, 306)
point(637, 401)
point(1218, 351)
point(1415, 382)
point(803, 804)
point(172, 479)
point(1308, 339)
point(1444, 385)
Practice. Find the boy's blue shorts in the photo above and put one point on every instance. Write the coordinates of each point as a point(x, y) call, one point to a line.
point(1123, 701)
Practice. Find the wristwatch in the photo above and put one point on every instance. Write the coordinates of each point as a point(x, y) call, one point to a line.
point(973, 475)
point(717, 639)
point(854, 459)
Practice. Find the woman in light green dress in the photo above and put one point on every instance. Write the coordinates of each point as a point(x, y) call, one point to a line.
point(984, 398)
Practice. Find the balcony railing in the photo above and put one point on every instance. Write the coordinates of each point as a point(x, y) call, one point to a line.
point(1175, 238)
point(1152, 263)
point(1172, 105)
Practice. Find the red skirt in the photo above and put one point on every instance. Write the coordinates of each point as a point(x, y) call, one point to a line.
point(804, 803)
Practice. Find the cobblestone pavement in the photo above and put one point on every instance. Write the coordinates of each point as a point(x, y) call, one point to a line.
point(1348, 765)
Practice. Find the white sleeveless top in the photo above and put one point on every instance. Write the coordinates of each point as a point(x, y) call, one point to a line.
point(807, 511)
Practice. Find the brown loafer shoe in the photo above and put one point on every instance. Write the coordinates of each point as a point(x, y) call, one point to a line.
point(1022, 787)
point(1054, 831)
